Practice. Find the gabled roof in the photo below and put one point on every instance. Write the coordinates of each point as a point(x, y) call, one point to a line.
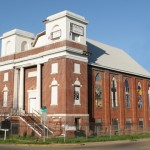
point(112, 58)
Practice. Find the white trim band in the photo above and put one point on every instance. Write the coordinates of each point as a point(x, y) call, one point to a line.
point(68, 115)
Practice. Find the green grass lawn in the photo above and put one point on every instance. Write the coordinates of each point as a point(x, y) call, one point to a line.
point(71, 140)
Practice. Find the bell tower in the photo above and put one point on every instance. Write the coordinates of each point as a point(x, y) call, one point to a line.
point(66, 26)
point(16, 41)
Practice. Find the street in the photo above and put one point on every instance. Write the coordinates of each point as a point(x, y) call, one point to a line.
point(117, 145)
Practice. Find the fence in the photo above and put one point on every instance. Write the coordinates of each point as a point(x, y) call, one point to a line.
point(99, 130)
point(68, 130)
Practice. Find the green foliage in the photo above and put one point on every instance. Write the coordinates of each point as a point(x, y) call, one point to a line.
point(34, 140)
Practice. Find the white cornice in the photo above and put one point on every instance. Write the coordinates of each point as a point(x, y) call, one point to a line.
point(114, 69)
point(65, 13)
point(43, 57)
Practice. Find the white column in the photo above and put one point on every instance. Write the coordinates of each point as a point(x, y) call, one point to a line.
point(21, 89)
point(38, 84)
point(15, 95)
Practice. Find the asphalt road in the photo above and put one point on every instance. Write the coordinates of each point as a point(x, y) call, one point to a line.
point(121, 145)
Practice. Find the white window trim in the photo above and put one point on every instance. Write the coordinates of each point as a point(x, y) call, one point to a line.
point(5, 96)
point(53, 69)
point(77, 68)
point(77, 83)
point(53, 84)
point(149, 97)
point(32, 74)
point(6, 76)
point(116, 100)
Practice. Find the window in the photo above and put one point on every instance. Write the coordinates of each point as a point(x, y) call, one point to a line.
point(148, 122)
point(8, 48)
point(54, 68)
point(56, 32)
point(141, 125)
point(149, 95)
point(75, 37)
point(54, 92)
point(127, 93)
point(76, 31)
point(139, 91)
point(78, 123)
point(98, 90)
point(15, 127)
point(6, 76)
point(5, 96)
point(115, 124)
point(24, 46)
point(99, 125)
point(128, 123)
point(76, 68)
point(114, 92)
point(77, 86)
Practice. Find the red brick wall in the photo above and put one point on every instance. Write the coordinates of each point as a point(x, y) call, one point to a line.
point(71, 78)
point(107, 113)
point(65, 78)
point(47, 79)
point(10, 86)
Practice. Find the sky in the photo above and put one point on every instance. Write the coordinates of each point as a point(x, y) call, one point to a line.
point(123, 24)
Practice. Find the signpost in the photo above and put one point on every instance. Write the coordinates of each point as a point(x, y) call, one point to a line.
point(44, 118)
point(5, 130)
point(5, 126)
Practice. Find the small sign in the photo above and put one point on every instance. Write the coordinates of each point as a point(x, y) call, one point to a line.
point(70, 128)
point(56, 34)
point(43, 109)
point(44, 116)
point(76, 29)
point(6, 124)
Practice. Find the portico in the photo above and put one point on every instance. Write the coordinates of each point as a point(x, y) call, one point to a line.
point(34, 94)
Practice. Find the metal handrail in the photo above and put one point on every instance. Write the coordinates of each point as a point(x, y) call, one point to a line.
point(37, 116)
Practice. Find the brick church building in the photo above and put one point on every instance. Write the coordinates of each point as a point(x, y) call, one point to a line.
point(77, 80)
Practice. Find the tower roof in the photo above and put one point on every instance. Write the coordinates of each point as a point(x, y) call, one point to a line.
point(18, 32)
point(66, 13)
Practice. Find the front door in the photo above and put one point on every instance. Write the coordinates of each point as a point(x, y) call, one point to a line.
point(32, 101)
point(32, 105)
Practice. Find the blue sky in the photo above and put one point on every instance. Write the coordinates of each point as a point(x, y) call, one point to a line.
point(121, 23)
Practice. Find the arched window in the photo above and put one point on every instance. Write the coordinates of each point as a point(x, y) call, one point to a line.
point(77, 86)
point(127, 93)
point(56, 32)
point(114, 92)
point(98, 90)
point(54, 92)
point(5, 96)
point(8, 48)
point(24, 46)
point(139, 91)
point(149, 95)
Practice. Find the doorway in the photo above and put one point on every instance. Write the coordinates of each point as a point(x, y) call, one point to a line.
point(78, 123)
point(32, 105)
point(32, 101)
